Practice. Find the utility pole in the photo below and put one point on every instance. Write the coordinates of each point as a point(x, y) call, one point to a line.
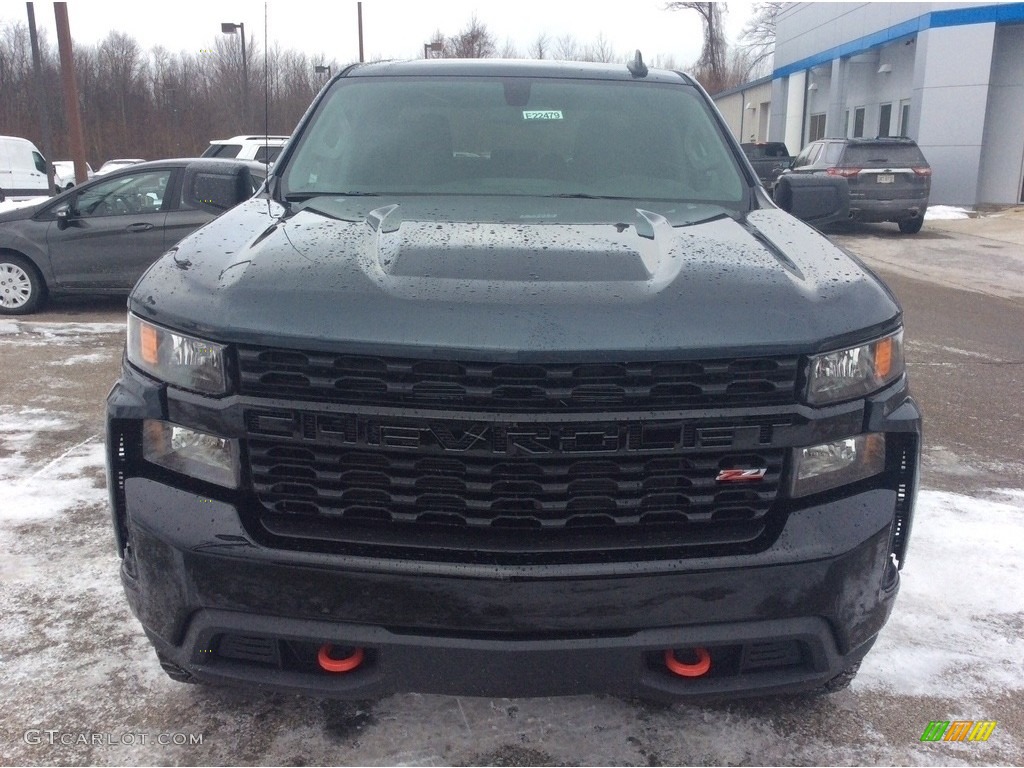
point(359, 12)
point(67, 76)
point(228, 28)
point(41, 96)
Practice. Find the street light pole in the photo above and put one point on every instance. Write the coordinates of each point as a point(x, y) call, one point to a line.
point(228, 28)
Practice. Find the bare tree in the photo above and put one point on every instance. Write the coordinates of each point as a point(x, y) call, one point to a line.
point(540, 48)
point(121, 68)
point(599, 50)
point(710, 67)
point(509, 51)
point(473, 42)
point(759, 35)
point(567, 49)
point(665, 61)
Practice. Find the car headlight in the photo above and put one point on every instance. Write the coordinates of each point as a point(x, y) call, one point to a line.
point(176, 358)
point(855, 372)
point(196, 454)
point(829, 465)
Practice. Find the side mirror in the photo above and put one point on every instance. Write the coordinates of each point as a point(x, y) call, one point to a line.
point(214, 187)
point(818, 200)
point(65, 215)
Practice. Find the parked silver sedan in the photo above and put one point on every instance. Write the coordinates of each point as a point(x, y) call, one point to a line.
point(99, 237)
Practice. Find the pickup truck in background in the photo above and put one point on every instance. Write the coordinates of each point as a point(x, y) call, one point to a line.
point(769, 158)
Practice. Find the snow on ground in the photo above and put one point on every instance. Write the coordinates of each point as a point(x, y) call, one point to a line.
point(34, 490)
point(958, 626)
point(67, 332)
point(10, 205)
point(946, 212)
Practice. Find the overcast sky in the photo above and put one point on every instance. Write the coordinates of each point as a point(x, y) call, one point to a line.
point(391, 28)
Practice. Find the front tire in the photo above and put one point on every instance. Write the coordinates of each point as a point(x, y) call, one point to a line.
point(911, 226)
point(22, 290)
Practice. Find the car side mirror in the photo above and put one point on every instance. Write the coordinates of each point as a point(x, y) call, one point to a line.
point(815, 199)
point(214, 188)
point(65, 215)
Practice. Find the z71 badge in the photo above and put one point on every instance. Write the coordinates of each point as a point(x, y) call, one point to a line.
point(741, 475)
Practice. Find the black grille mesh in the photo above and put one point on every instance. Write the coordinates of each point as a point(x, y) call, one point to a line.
point(412, 480)
point(516, 387)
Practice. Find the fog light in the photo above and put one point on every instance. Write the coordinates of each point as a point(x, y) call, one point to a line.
point(197, 454)
point(830, 465)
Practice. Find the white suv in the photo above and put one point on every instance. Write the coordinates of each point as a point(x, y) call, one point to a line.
point(262, 149)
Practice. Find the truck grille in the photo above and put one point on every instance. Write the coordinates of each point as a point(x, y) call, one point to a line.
point(516, 387)
point(513, 488)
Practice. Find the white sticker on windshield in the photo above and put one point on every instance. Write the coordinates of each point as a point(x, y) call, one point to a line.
point(542, 114)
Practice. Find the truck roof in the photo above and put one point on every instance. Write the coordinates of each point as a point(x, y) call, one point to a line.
point(511, 68)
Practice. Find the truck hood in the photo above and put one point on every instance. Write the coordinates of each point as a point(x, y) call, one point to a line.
point(586, 277)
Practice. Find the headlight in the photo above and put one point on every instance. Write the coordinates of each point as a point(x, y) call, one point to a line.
point(197, 454)
point(180, 360)
point(855, 372)
point(829, 465)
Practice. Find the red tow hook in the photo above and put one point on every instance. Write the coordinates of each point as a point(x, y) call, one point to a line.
point(697, 669)
point(330, 664)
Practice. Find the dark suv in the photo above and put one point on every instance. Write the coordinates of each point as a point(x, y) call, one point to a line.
point(889, 179)
point(512, 381)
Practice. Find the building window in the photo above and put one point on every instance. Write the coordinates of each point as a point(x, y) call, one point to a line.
point(846, 124)
point(858, 122)
point(905, 118)
point(817, 129)
point(884, 118)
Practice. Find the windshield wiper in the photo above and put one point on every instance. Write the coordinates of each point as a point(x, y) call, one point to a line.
point(584, 196)
point(301, 197)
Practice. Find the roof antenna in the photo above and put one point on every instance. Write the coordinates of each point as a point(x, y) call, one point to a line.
point(636, 65)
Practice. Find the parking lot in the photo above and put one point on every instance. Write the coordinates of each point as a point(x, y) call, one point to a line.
point(82, 685)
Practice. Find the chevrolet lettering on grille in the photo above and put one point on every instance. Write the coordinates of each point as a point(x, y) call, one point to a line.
point(528, 439)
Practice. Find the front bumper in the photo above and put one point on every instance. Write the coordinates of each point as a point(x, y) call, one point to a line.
point(222, 606)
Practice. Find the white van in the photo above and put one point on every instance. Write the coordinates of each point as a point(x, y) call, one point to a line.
point(262, 149)
point(22, 169)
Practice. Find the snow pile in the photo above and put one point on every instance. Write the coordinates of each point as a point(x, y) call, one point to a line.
point(936, 212)
point(10, 205)
point(33, 490)
point(957, 627)
point(65, 332)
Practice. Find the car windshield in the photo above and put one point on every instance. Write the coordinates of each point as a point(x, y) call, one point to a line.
point(883, 154)
point(514, 136)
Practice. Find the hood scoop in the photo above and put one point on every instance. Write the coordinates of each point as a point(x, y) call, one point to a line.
point(514, 252)
point(524, 264)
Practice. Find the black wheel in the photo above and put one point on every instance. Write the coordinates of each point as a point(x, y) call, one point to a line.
point(911, 226)
point(22, 290)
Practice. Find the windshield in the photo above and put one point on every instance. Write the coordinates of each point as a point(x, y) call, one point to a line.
point(514, 136)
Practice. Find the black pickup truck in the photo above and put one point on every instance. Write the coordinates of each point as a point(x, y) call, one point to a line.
point(768, 159)
point(512, 381)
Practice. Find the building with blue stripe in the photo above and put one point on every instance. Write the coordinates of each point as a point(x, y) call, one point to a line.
point(948, 75)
